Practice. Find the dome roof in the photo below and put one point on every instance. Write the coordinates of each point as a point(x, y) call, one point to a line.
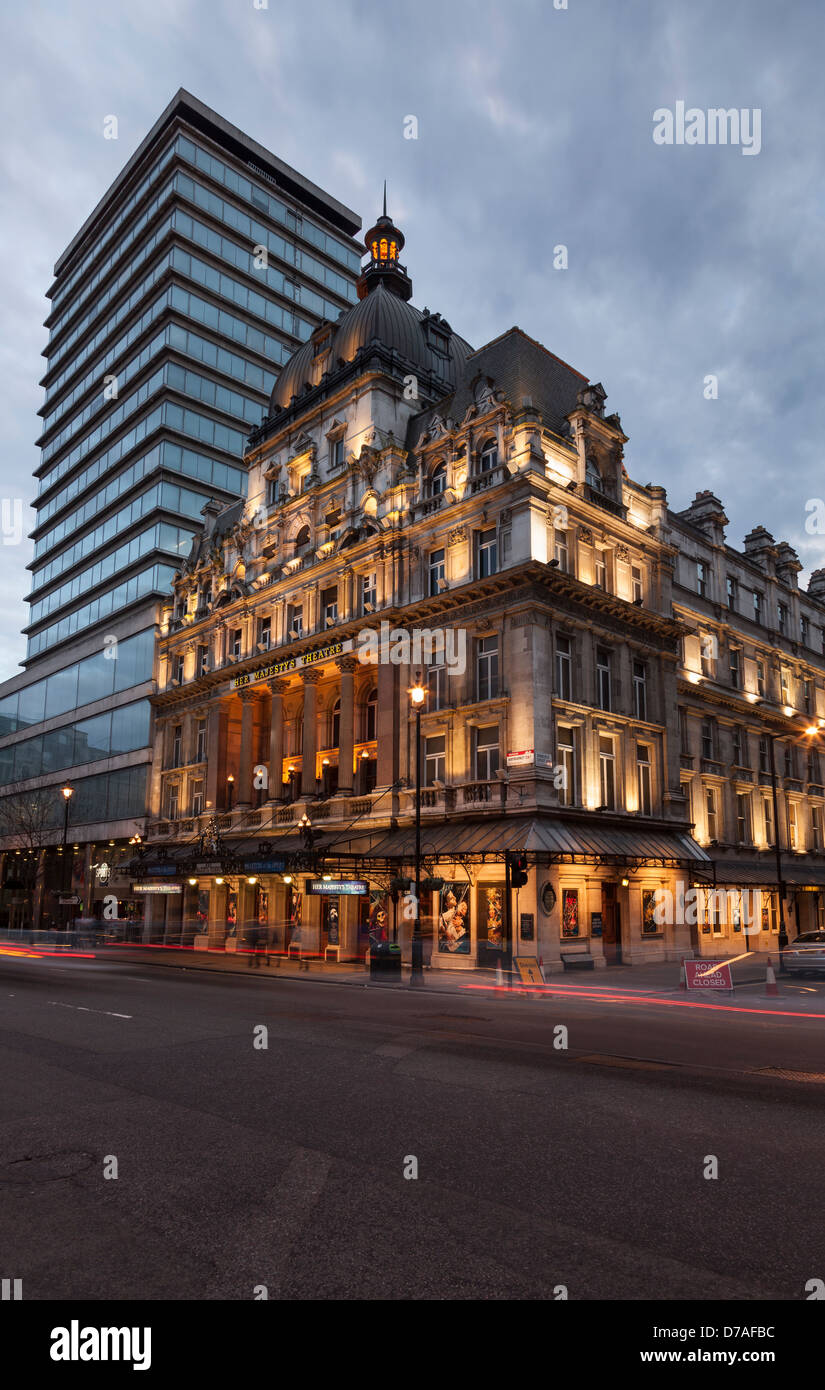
point(423, 340)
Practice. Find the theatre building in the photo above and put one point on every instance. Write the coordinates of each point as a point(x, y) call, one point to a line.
point(419, 510)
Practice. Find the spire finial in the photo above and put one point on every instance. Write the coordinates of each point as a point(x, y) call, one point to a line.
point(385, 197)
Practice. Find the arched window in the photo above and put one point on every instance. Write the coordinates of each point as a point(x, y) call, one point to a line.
point(393, 250)
point(336, 725)
point(302, 537)
point(593, 476)
point(383, 254)
point(488, 456)
point(370, 716)
point(438, 479)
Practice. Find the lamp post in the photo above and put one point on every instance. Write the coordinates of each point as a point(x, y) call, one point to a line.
point(67, 792)
point(783, 934)
point(230, 785)
point(417, 695)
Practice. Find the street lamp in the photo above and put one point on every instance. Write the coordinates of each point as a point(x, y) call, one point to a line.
point(67, 793)
point(230, 783)
point(417, 694)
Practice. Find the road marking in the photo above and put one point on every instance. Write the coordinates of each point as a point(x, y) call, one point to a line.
point(81, 1008)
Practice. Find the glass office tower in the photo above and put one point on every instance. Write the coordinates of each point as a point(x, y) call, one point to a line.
point(207, 261)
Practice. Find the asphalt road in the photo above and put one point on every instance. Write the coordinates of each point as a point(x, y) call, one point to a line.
point(538, 1167)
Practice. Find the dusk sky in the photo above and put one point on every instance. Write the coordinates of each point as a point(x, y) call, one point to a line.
point(535, 129)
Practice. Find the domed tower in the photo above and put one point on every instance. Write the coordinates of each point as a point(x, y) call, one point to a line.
point(384, 243)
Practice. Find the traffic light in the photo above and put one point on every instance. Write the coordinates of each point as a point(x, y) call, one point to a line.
point(518, 870)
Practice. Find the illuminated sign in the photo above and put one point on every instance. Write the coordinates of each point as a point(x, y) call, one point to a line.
point(290, 663)
point(157, 888)
point(265, 866)
point(350, 887)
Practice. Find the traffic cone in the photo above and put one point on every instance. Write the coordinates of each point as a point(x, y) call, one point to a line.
point(541, 968)
point(771, 986)
point(682, 975)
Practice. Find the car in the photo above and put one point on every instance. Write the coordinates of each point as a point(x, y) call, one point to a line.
point(806, 954)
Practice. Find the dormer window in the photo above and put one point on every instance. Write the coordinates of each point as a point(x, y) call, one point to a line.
point(438, 480)
point(488, 456)
point(593, 477)
point(302, 538)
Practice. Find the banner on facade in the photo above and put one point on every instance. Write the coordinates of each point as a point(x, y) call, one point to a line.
point(708, 974)
point(157, 888)
point(290, 663)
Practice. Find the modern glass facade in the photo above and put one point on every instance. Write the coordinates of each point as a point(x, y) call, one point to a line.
point(204, 266)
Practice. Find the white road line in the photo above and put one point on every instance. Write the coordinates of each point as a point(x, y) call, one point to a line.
point(81, 1008)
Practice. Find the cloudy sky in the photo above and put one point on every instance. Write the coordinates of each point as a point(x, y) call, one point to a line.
point(535, 130)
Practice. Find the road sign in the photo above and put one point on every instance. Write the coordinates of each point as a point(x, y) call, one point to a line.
point(529, 970)
point(708, 974)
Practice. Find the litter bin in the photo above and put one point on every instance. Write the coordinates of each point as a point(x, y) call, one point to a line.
point(385, 961)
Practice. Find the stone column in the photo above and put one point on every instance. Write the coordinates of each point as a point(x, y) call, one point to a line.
point(278, 690)
point(347, 666)
point(311, 679)
point(216, 735)
point(387, 726)
point(248, 699)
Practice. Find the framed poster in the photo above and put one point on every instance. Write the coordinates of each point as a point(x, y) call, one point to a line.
point(379, 918)
point(454, 919)
point(596, 924)
point(294, 910)
point(570, 912)
point(490, 926)
point(330, 920)
point(527, 927)
point(650, 927)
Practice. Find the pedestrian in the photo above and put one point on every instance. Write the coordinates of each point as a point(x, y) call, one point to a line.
point(251, 938)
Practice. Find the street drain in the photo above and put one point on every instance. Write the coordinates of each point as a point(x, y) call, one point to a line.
point(46, 1167)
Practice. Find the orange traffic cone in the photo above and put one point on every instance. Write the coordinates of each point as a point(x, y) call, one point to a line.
point(771, 986)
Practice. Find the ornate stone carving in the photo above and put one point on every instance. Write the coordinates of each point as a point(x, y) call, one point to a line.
point(622, 553)
point(585, 535)
point(457, 535)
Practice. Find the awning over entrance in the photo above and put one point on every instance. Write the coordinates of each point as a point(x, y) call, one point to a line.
point(556, 838)
point(747, 872)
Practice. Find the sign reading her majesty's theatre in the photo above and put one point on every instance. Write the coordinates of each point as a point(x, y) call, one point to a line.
point(291, 663)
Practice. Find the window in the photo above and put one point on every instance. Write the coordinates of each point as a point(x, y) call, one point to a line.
point(708, 739)
point(767, 811)
point(335, 725)
point(235, 642)
point(808, 696)
point(177, 745)
point(687, 792)
point(197, 798)
point(764, 754)
point(437, 686)
point(736, 739)
point(735, 668)
point(369, 593)
point(437, 572)
point(294, 620)
point(488, 456)
point(561, 552)
point(370, 716)
point(302, 538)
point(732, 588)
point(607, 772)
point(757, 606)
point(782, 617)
point(177, 669)
point(813, 765)
point(438, 480)
point(329, 605)
point(601, 570)
point(603, 678)
point(760, 678)
point(709, 648)
point(336, 459)
point(566, 758)
point(265, 633)
point(791, 768)
point(640, 690)
point(172, 803)
point(711, 813)
point(743, 819)
point(684, 733)
point(564, 668)
point(643, 781)
point(486, 553)
point(793, 826)
point(200, 741)
point(701, 578)
point(636, 584)
point(487, 668)
point(816, 828)
point(592, 476)
point(486, 752)
point(804, 631)
point(202, 660)
point(272, 486)
point(785, 685)
point(435, 760)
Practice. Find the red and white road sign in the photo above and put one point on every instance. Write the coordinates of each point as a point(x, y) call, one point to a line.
point(708, 974)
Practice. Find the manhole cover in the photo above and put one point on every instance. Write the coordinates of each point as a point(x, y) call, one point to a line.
point(46, 1167)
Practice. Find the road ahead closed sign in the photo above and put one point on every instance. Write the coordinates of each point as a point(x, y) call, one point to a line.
point(708, 974)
